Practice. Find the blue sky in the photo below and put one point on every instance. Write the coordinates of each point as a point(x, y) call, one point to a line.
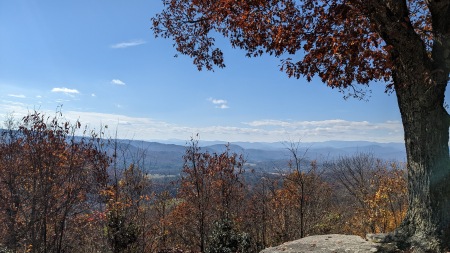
point(100, 61)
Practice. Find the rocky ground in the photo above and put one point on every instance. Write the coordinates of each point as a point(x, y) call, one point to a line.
point(334, 244)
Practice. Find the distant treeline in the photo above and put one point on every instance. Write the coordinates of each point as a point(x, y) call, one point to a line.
point(60, 192)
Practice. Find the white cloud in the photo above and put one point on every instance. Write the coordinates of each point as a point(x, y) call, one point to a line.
point(261, 123)
point(126, 44)
point(147, 128)
point(118, 82)
point(270, 130)
point(220, 103)
point(13, 108)
point(335, 129)
point(65, 90)
point(93, 95)
point(61, 101)
point(16, 95)
point(335, 123)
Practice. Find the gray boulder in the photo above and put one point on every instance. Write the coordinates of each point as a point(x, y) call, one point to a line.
point(332, 244)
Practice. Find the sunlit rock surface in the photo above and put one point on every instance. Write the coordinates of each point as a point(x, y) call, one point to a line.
point(331, 244)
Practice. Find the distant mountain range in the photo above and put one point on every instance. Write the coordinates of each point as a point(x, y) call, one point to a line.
point(166, 157)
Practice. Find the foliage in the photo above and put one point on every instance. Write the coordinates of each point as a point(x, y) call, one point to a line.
point(48, 181)
point(59, 195)
point(225, 239)
point(121, 233)
point(211, 188)
point(405, 44)
point(340, 41)
point(126, 211)
point(377, 189)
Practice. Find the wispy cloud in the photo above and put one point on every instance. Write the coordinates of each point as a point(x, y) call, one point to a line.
point(147, 128)
point(131, 43)
point(118, 82)
point(65, 91)
point(334, 129)
point(61, 101)
point(12, 108)
point(16, 95)
point(270, 130)
point(297, 124)
point(219, 103)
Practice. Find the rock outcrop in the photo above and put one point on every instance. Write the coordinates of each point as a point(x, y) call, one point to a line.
point(333, 244)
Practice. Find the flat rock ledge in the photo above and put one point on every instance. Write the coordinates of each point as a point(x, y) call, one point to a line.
point(335, 243)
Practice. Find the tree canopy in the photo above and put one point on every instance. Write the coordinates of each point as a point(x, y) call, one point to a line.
point(349, 44)
point(344, 42)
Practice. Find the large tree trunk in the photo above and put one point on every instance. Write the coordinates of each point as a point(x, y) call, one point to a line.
point(420, 95)
point(420, 78)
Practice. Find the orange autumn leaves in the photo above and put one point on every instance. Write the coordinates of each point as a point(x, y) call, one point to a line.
point(48, 180)
point(60, 192)
point(377, 191)
point(212, 188)
point(338, 41)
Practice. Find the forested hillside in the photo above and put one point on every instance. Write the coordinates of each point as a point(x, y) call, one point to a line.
point(64, 193)
point(167, 158)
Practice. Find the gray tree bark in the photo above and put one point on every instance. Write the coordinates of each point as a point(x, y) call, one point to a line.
point(421, 75)
point(426, 127)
